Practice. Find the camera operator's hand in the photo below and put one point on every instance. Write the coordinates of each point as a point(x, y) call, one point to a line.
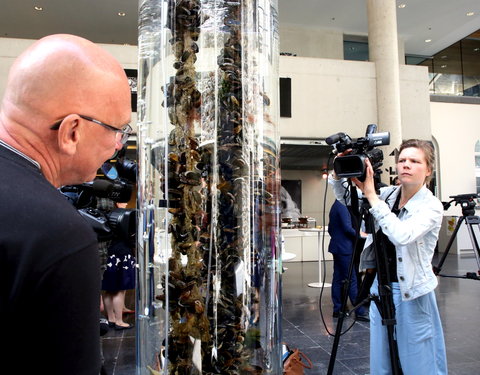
point(368, 186)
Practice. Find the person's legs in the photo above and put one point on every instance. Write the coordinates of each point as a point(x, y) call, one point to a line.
point(379, 346)
point(118, 305)
point(419, 334)
point(353, 289)
point(125, 309)
point(108, 307)
point(420, 337)
point(336, 284)
point(361, 312)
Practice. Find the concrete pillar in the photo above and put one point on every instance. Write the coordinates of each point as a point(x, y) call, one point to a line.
point(383, 50)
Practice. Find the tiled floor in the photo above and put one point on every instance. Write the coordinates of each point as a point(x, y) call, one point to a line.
point(458, 300)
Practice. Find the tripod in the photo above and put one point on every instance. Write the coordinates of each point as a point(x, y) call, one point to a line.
point(384, 300)
point(468, 217)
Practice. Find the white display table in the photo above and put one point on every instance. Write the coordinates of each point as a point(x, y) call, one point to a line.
point(319, 234)
point(306, 245)
point(288, 256)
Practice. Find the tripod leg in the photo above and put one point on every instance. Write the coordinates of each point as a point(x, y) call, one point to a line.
point(346, 288)
point(385, 304)
point(438, 267)
point(472, 222)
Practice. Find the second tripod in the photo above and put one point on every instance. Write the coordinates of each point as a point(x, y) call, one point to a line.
point(467, 203)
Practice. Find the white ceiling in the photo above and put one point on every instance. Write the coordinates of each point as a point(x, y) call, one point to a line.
point(442, 21)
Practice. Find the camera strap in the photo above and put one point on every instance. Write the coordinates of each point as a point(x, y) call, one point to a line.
point(354, 208)
point(390, 249)
point(397, 199)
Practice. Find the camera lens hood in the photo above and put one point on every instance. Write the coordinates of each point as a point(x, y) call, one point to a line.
point(349, 166)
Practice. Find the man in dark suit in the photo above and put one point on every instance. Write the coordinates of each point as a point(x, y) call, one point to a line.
point(342, 242)
point(61, 95)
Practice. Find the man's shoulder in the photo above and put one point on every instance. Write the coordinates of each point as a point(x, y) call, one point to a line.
point(39, 219)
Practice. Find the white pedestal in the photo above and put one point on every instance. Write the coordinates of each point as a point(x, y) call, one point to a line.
point(320, 283)
point(288, 256)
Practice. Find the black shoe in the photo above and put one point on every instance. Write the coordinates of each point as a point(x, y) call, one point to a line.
point(336, 314)
point(362, 318)
point(103, 326)
point(120, 328)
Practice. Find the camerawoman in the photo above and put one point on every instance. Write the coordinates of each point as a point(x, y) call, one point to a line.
point(408, 218)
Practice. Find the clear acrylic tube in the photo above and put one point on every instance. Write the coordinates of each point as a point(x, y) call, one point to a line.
point(208, 292)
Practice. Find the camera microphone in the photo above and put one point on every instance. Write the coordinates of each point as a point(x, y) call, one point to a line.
point(371, 128)
point(334, 138)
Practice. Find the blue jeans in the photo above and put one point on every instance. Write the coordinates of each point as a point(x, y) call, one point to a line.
point(419, 334)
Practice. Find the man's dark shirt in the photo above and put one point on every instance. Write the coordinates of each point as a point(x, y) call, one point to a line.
point(49, 276)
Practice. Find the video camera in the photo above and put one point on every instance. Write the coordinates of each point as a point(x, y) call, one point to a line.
point(119, 222)
point(353, 164)
point(466, 202)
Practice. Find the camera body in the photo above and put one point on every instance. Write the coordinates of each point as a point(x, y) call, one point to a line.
point(353, 164)
point(118, 222)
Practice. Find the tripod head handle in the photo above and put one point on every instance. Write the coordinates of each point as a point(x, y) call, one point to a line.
point(462, 197)
point(466, 202)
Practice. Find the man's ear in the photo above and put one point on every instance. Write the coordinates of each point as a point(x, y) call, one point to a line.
point(68, 135)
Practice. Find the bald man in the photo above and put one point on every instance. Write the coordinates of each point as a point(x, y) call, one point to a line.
point(65, 111)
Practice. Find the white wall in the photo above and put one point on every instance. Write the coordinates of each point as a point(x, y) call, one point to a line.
point(329, 96)
point(320, 43)
point(456, 128)
point(415, 102)
point(10, 48)
point(327, 44)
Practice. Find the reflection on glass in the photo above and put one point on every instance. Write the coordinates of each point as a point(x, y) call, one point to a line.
point(447, 66)
point(471, 66)
point(454, 70)
point(209, 273)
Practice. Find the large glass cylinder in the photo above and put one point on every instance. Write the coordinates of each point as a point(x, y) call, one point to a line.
point(208, 293)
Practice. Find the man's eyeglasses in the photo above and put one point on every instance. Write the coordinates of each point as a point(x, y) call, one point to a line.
point(122, 133)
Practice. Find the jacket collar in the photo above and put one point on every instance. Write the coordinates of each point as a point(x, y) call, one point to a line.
point(412, 202)
point(392, 196)
point(19, 153)
point(417, 197)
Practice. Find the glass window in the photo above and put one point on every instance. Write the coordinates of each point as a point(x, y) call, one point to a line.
point(471, 67)
point(423, 61)
point(447, 66)
point(454, 70)
point(355, 51)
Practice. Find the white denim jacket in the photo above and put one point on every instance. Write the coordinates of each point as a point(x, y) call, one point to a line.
point(414, 233)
